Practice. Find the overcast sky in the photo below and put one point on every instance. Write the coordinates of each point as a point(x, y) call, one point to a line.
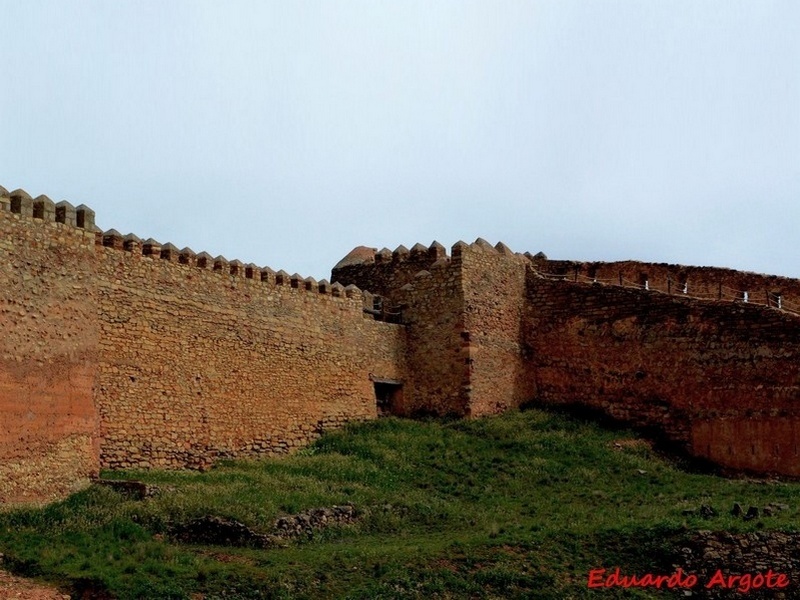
point(286, 133)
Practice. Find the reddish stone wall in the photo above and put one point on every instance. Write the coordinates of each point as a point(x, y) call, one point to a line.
point(703, 282)
point(200, 364)
point(131, 358)
point(722, 379)
point(48, 357)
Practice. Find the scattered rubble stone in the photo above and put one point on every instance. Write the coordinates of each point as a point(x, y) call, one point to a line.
point(705, 511)
point(221, 531)
point(740, 554)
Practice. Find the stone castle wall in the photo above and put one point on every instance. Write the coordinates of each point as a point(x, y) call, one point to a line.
point(199, 364)
point(432, 306)
point(712, 283)
point(463, 318)
point(425, 286)
point(122, 353)
point(48, 352)
point(494, 287)
point(719, 378)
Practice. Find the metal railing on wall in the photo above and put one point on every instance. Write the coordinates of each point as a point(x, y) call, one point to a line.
point(684, 289)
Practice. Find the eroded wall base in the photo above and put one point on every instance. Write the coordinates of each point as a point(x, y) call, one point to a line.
point(50, 474)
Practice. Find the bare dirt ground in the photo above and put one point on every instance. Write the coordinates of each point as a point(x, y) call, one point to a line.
point(17, 588)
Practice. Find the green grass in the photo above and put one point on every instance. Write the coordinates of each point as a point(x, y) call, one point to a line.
point(517, 506)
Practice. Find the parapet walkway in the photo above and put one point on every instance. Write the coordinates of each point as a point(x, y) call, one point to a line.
point(683, 290)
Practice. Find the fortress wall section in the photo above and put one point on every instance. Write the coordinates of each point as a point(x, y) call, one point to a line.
point(437, 359)
point(464, 320)
point(720, 379)
point(201, 364)
point(385, 272)
point(494, 290)
point(48, 352)
point(704, 282)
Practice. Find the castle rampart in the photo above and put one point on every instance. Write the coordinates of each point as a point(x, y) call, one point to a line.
point(118, 352)
point(463, 316)
point(710, 283)
point(203, 363)
point(122, 353)
point(438, 367)
point(719, 378)
point(653, 345)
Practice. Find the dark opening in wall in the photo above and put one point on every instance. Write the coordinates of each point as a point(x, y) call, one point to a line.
point(389, 396)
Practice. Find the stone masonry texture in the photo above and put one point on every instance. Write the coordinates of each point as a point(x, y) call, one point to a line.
point(198, 364)
point(121, 353)
point(48, 359)
point(721, 379)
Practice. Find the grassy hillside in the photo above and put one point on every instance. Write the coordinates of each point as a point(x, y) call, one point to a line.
point(518, 506)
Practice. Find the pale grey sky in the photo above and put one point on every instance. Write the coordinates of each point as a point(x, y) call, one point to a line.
point(286, 133)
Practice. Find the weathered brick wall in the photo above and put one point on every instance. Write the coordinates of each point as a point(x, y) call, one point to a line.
point(48, 353)
point(199, 364)
point(494, 290)
point(722, 379)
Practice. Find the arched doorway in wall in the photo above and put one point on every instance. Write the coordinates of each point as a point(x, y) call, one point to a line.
point(388, 395)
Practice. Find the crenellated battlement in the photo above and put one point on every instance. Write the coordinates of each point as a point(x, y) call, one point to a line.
point(419, 254)
point(385, 271)
point(43, 208)
point(82, 217)
point(700, 283)
point(233, 269)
